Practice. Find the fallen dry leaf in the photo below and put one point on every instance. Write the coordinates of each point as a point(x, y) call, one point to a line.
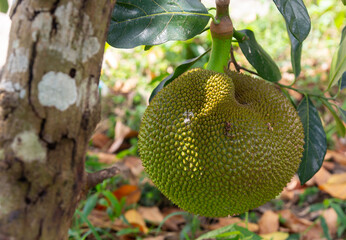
point(131, 192)
point(331, 219)
point(275, 236)
point(121, 132)
point(287, 194)
point(173, 222)
point(328, 165)
point(294, 183)
point(151, 214)
point(336, 156)
point(253, 227)
point(300, 225)
point(101, 219)
point(322, 176)
point(292, 222)
point(336, 186)
point(134, 164)
point(269, 222)
point(155, 238)
point(100, 140)
point(136, 220)
point(106, 158)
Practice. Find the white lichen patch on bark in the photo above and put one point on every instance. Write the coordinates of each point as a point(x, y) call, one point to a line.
point(67, 41)
point(57, 89)
point(91, 46)
point(18, 61)
point(91, 97)
point(42, 26)
point(12, 87)
point(27, 147)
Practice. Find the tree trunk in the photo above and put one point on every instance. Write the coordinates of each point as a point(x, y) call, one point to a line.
point(49, 106)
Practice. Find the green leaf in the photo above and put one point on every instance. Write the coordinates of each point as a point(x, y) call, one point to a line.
point(343, 114)
point(114, 201)
point(325, 228)
point(339, 212)
point(127, 231)
point(90, 204)
point(296, 17)
point(91, 227)
point(3, 6)
point(228, 231)
point(344, 2)
point(338, 66)
point(216, 232)
point(177, 72)
point(343, 81)
point(258, 58)
point(296, 52)
point(247, 234)
point(339, 124)
point(315, 146)
point(150, 22)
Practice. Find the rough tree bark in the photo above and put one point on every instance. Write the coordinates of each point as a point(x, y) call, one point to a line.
point(49, 106)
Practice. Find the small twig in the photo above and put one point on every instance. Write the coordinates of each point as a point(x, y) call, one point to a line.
point(92, 179)
point(237, 66)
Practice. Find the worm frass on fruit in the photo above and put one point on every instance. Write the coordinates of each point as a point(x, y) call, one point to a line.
point(220, 144)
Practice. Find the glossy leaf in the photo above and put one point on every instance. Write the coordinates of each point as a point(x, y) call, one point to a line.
point(343, 81)
point(3, 6)
point(150, 22)
point(177, 72)
point(315, 146)
point(259, 58)
point(296, 17)
point(339, 124)
point(296, 52)
point(338, 66)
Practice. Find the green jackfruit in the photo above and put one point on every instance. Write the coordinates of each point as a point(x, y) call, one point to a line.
point(219, 145)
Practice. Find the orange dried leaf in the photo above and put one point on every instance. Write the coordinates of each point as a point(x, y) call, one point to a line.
point(336, 186)
point(131, 192)
point(269, 222)
point(136, 220)
point(100, 140)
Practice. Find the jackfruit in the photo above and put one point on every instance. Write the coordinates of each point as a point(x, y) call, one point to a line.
point(220, 144)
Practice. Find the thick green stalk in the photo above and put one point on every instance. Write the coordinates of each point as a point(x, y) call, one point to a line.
point(221, 32)
point(219, 56)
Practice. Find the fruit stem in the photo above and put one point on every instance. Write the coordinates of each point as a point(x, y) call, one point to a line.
point(221, 33)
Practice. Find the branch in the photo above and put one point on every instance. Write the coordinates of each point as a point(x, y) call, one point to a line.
point(92, 179)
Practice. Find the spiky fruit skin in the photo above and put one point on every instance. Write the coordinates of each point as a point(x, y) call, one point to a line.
point(219, 145)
